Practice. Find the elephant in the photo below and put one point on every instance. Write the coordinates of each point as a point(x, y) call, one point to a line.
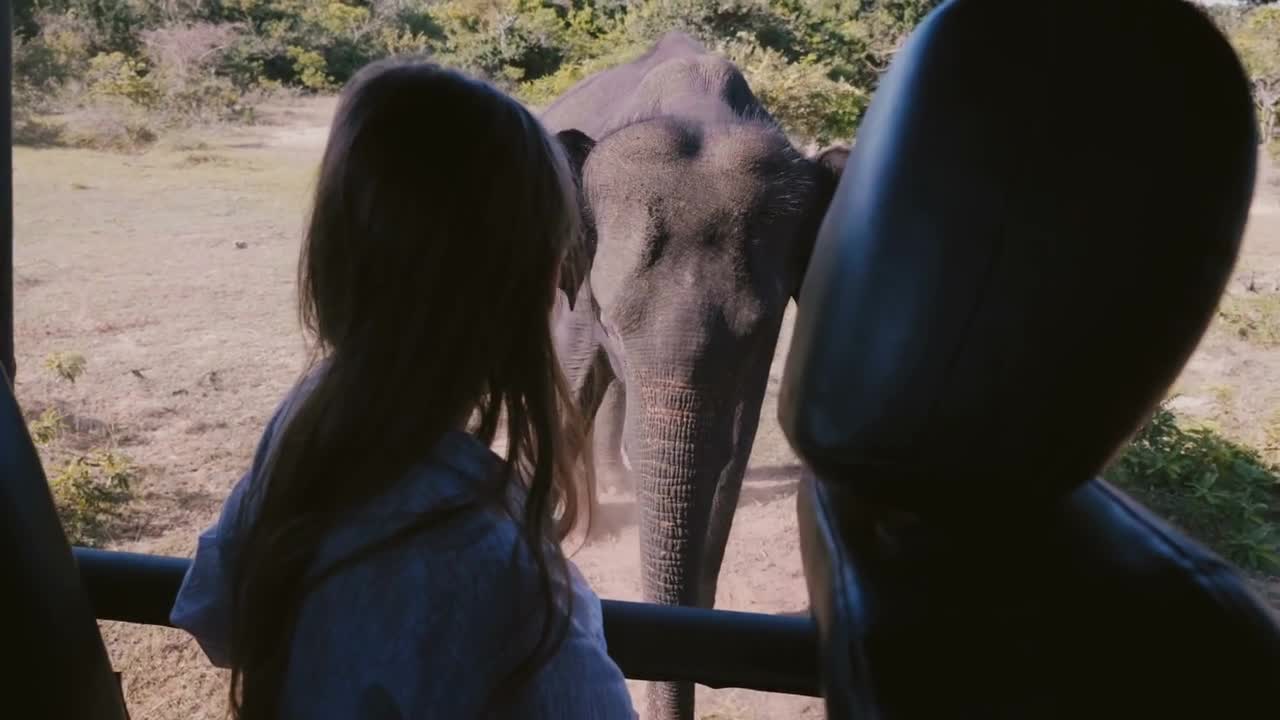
point(700, 217)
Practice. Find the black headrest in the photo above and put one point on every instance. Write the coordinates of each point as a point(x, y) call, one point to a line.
point(1033, 235)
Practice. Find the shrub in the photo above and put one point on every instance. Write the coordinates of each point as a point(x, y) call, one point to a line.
point(310, 66)
point(46, 428)
point(313, 44)
point(58, 52)
point(88, 488)
point(542, 91)
point(113, 125)
point(1224, 494)
point(402, 41)
point(111, 24)
point(506, 40)
point(802, 95)
point(88, 491)
point(115, 75)
point(66, 365)
point(708, 20)
point(182, 51)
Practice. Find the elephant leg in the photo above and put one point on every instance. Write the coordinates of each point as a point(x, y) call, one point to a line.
point(725, 502)
point(589, 386)
point(611, 465)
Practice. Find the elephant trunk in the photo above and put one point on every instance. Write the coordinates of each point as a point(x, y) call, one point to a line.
point(682, 450)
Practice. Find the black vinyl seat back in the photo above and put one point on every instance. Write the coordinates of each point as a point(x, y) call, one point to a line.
point(1038, 219)
point(57, 665)
point(1043, 207)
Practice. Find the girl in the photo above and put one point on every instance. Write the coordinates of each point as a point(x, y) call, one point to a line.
point(379, 560)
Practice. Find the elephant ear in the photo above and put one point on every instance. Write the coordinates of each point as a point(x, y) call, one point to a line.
point(829, 164)
point(833, 159)
point(577, 264)
point(577, 146)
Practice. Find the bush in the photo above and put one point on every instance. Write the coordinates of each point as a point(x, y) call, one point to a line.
point(507, 41)
point(708, 20)
point(1224, 494)
point(115, 126)
point(802, 95)
point(89, 487)
point(56, 54)
point(60, 50)
point(115, 75)
point(111, 24)
point(542, 91)
point(88, 491)
point(67, 366)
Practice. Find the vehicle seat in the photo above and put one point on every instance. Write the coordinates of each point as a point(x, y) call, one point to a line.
point(1044, 206)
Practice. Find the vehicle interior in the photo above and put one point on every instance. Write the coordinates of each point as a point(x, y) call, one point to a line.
point(996, 302)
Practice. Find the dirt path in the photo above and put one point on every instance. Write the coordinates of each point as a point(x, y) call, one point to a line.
point(172, 273)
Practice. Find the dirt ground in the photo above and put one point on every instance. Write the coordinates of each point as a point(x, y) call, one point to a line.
point(172, 273)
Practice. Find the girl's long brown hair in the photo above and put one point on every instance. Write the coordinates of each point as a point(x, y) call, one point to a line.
point(427, 276)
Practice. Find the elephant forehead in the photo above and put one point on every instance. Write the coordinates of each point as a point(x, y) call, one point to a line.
point(731, 169)
point(673, 143)
point(659, 141)
point(706, 74)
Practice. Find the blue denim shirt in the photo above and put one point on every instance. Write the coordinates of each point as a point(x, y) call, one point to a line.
point(423, 629)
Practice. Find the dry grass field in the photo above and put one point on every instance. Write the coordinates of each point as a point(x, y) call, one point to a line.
point(171, 272)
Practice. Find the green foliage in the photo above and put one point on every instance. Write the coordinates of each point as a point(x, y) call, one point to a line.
point(116, 75)
point(815, 63)
point(46, 428)
point(803, 95)
point(183, 61)
point(310, 68)
point(88, 490)
point(1224, 494)
point(55, 52)
point(505, 40)
point(59, 50)
point(709, 20)
point(540, 92)
point(112, 23)
point(66, 365)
